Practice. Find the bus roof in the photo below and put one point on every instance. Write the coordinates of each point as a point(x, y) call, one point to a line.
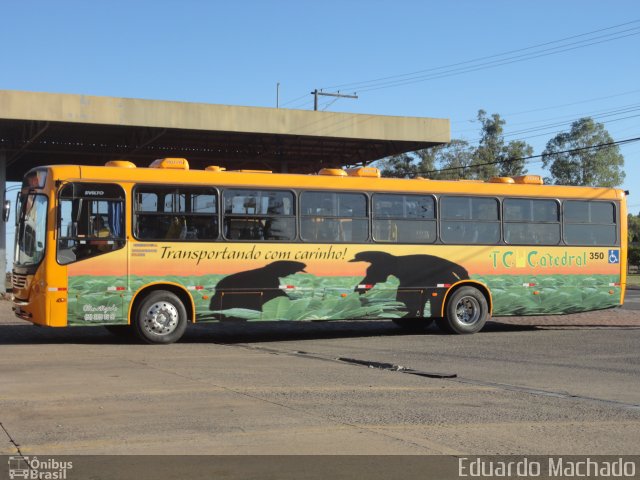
point(329, 179)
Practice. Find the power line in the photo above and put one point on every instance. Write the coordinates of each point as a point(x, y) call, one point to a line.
point(475, 60)
point(329, 103)
point(530, 157)
point(589, 113)
point(474, 65)
point(294, 100)
point(555, 132)
point(545, 128)
point(485, 66)
point(553, 107)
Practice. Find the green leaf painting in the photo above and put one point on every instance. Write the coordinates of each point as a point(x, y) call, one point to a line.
point(91, 301)
point(556, 294)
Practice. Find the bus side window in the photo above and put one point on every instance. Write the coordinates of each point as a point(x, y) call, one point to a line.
point(188, 213)
point(177, 228)
point(146, 227)
point(333, 217)
point(590, 223)
point(531, 221)
point(259, 215)
point(401, 218)
point(89, 226)
point(472, 220)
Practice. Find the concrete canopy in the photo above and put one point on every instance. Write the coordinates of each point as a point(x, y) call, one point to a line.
point(45, 128)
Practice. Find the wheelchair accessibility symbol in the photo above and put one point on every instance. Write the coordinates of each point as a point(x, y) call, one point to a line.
point(614, 256)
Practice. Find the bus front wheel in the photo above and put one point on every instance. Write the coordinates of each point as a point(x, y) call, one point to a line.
point(160, 318)
point(466, 312)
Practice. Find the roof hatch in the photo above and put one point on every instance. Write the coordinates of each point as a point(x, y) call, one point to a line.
point(529, 179)
point(363, 172)
point(171, 163)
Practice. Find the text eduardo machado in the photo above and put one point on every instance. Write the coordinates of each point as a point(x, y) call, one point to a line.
point(558, 467)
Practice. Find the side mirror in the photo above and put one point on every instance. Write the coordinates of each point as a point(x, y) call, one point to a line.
point(6, 210)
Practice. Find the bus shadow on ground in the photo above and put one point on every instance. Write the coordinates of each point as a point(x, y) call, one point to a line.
point(284, 331)
point(231, 332)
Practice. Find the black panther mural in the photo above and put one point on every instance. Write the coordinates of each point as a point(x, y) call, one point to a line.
point(252, 288)
point(418, 274)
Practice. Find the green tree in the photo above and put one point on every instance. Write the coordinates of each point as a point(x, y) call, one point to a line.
point(513, 156)
point(633, 257)
point(493, 156)
point(602, 167)
point(633, 228)
point(399, 166)
point(457, 156)
point(491, 145)
point(427, 162)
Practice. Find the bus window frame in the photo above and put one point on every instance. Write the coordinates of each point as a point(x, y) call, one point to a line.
point(499, 220)
point(58, 218)
point(369, 194)
point(296, 217)
point(368, 214)
point(503, 222)
point(30, 269)
point(616, 210)
point(372, 218)
point(134, 212)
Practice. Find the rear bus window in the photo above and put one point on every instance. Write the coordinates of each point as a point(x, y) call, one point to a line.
point(589, 223)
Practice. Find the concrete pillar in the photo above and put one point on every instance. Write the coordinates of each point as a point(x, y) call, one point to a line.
point(3, 226)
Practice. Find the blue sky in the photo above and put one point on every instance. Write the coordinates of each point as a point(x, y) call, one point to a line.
point(235, 53)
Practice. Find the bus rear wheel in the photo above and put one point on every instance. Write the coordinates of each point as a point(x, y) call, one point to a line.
point(466, 312)
point(413, 324)
point(160, 318)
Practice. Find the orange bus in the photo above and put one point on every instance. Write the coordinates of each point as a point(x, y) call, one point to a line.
point(151, 249)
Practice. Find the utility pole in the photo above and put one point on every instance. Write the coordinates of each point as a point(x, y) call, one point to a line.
point(278, 95)
point(317, 92)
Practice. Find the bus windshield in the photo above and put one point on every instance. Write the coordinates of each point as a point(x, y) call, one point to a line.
point(31, 231)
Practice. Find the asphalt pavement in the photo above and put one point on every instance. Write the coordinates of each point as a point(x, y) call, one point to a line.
point(530, 385)
point(632, 299)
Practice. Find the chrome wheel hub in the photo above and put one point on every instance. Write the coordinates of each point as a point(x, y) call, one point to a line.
point(468, 310)
point(161, 318)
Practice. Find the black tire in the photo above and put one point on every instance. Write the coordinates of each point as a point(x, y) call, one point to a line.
point(466, 311)
point(160, 318)
point(120, 331)
point(417, 324)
